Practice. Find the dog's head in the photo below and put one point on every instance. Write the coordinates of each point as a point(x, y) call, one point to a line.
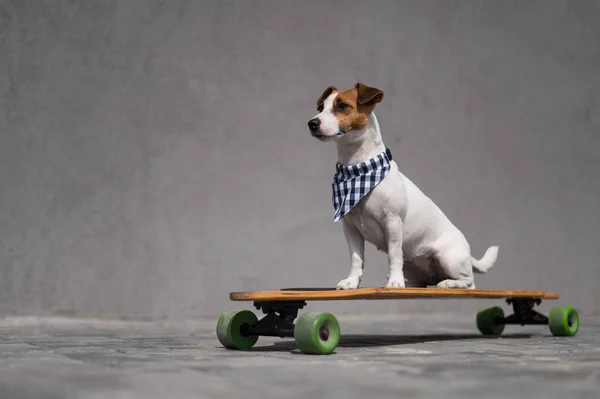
point(341, 112)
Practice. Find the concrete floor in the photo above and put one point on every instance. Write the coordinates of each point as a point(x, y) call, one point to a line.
point(405, 357)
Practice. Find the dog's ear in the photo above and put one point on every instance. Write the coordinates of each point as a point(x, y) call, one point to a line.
point(368, 95)
point(325, 94)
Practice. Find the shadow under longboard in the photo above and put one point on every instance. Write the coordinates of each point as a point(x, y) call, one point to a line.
point(370, 340)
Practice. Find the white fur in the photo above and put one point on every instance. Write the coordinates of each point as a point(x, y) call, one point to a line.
point(400, 220)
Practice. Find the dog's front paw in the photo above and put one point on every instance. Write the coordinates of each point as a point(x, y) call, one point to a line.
point(349, 283)
point(395, 283)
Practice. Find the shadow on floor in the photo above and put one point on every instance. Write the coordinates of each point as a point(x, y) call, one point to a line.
point(365, 341)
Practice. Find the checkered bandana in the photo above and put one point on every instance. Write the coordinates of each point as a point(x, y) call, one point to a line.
point(352, 183)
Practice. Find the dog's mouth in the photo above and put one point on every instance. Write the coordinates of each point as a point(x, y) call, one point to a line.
point(324, 137)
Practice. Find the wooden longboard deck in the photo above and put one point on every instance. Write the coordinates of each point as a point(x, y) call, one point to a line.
point(317, 294)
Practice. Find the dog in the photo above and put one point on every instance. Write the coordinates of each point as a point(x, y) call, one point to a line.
point(378, 204)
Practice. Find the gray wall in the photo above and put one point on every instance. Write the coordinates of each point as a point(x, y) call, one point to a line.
point(154, 155)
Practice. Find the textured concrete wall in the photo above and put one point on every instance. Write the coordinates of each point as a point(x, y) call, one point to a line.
point(154, 155)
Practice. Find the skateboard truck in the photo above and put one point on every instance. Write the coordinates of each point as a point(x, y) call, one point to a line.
point(524, 313)
point(279, 319)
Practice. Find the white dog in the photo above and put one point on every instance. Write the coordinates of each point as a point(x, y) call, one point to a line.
point(379, 204)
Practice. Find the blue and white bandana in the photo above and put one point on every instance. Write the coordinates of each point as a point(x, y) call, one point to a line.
point(351, 183)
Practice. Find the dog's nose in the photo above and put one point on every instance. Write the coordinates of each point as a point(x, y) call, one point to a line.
point(314, 124)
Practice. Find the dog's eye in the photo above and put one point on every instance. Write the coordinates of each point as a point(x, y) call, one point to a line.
point(342, 106)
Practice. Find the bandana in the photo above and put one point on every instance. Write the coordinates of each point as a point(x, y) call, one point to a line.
point(352, 183)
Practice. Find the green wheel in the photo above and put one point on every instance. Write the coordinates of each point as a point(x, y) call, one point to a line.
point(317, 333)
point(232, 329)
point(563, 321)
point(488, 321)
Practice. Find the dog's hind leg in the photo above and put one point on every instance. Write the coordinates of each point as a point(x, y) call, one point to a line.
point(456, 266)
point(461, 282)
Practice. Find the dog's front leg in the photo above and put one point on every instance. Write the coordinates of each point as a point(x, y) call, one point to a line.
point(393, 231)
point(356, 246)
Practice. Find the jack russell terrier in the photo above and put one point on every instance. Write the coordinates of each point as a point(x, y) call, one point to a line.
point(377, 203)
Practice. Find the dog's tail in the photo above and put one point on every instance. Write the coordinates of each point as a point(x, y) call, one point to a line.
point(487, 261)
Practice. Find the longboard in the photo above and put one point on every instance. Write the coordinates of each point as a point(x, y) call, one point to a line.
point(319, 333)
point(331, 294)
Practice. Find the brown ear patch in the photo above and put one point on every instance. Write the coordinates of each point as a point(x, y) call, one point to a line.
point(325, 94)
point(353, 107)
point(368, 95)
